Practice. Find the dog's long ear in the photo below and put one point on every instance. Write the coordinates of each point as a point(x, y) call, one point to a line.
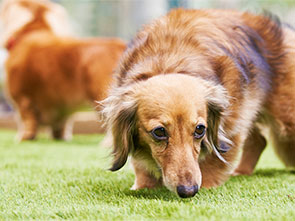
point(119, 111)
point(233, 76)
point(217, 101)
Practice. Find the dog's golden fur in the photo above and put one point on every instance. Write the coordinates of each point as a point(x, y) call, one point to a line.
point(226, 70)
point(50, 76)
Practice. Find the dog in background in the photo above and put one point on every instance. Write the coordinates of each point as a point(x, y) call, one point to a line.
point(50, 75)
point(193, 89)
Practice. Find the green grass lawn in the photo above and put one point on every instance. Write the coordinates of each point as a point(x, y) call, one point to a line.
point(48, 179)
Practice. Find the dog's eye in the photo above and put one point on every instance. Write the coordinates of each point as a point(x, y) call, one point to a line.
point(199, 131)
point(159, 133)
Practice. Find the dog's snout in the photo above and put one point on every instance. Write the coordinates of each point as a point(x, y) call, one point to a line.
point(187, 191)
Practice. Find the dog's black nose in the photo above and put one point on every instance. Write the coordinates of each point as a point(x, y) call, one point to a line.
point(187, 191)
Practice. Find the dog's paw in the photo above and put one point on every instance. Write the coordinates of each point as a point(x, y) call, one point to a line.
point(241, 173)
point(146, 185)
point(134, 187)
point(137, 187)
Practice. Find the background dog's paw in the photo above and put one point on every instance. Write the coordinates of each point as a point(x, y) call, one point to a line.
point(26, 136)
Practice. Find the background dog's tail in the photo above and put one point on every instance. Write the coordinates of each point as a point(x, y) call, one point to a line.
point(15, 15)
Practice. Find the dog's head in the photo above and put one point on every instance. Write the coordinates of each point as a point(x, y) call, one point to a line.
point(177, 117)
point(17, 14)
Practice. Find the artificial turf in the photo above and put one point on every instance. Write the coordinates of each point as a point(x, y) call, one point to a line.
point(48, 179)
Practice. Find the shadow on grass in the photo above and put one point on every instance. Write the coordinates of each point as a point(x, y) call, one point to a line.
point(260, 175)
point(265, 173)
point(272, 172)
point(160, 193)
point(118, 187)
point(121, 190)
point(164, 194)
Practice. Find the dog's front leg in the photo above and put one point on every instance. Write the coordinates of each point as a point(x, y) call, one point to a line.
point(143, 178)
point(253, 147)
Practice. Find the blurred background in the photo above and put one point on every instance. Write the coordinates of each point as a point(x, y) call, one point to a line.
point(122, 18)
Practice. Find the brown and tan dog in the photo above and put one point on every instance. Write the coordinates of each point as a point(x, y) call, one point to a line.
point(190, 93)
point(50, 76)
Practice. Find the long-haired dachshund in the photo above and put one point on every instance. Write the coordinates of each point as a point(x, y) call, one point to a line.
point(49, 76)
point(193, 89)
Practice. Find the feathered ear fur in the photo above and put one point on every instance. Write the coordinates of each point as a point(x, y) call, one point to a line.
point(218, 102)
point(119, 112)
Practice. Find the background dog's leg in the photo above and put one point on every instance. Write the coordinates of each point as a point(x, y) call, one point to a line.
point(29, 123)
point(143, 179)
point(62, 130)
point(253, 147)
